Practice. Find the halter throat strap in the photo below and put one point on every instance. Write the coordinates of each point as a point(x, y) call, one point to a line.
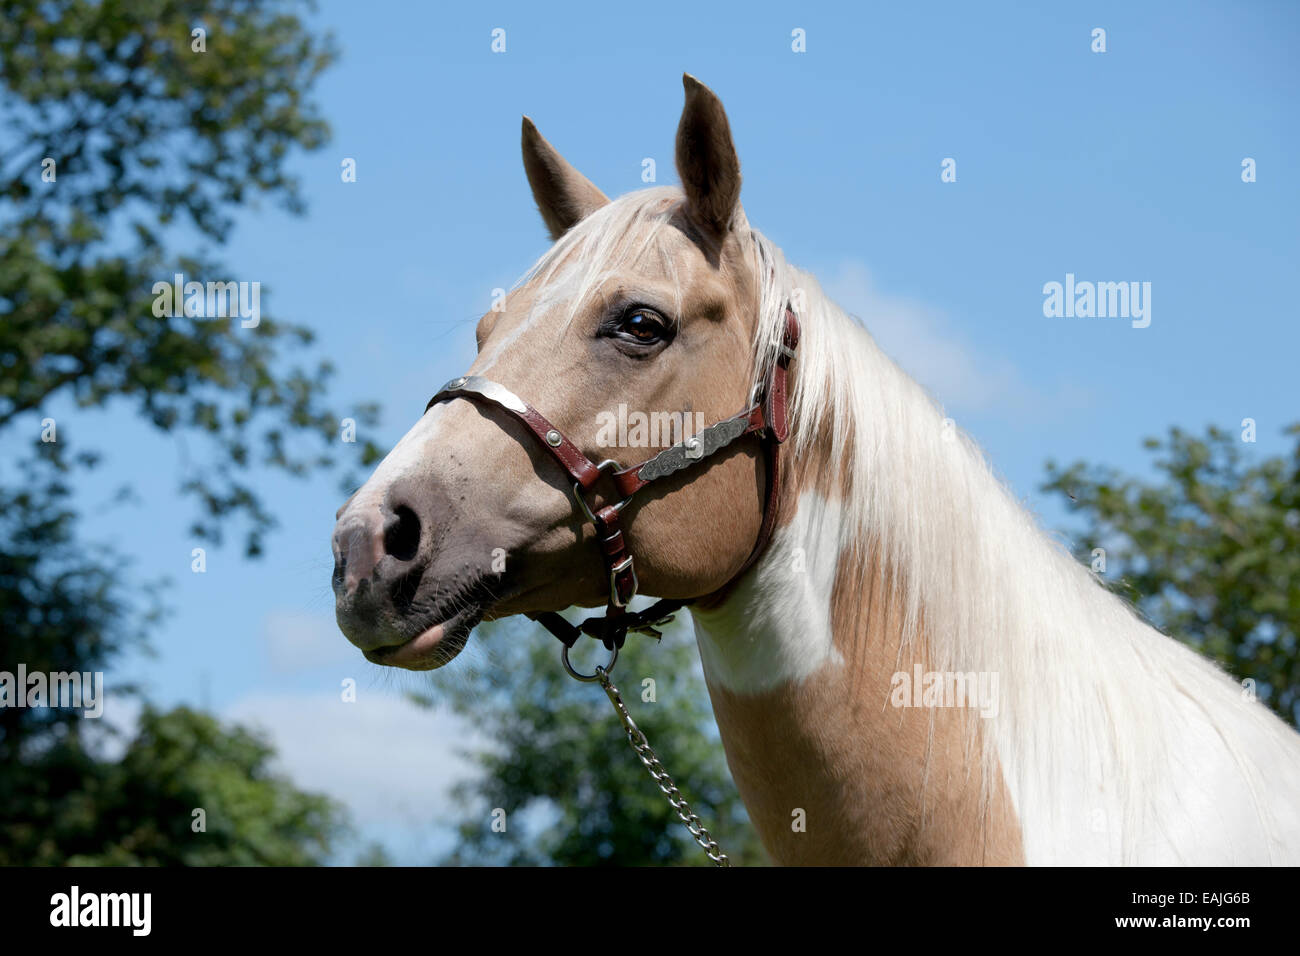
point(767, 418)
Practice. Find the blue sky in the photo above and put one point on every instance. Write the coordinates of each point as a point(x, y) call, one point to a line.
point(1115, 166)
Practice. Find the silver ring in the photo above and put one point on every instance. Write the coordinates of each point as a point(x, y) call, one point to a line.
point(588, 678)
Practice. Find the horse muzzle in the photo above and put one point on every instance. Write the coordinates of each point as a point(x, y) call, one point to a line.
point(395, 599)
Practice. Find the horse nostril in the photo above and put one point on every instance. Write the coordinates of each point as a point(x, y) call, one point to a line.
point(402, 534)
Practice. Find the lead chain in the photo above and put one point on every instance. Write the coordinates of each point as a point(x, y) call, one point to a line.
point(659, 774)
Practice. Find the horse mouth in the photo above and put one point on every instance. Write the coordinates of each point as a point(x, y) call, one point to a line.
point(433, 647)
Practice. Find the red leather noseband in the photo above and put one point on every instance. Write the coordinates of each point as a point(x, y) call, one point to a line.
point(767, 417)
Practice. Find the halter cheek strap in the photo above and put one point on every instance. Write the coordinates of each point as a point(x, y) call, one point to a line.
point(767, 417)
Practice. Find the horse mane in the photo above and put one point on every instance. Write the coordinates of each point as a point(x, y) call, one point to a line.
point(1090, 696)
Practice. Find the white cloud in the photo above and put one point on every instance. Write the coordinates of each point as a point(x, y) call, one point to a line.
point(393, 764)
point(299, 641)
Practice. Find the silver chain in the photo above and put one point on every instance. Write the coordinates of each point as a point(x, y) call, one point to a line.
point(659, 774)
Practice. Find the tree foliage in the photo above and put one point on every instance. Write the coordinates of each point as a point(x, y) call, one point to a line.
point(186, 792)
point(1209, 551)
point(554, 757)
point(148, 135)
point(126, 149)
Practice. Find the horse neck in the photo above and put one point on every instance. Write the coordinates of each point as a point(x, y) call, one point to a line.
point(899, 551)
point(801, 660)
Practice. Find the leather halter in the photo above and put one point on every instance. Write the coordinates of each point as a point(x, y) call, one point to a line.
point(765, 417)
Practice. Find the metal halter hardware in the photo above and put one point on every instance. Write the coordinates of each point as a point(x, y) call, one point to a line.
point(765, 417)
point(588, 678)
point(617, 568)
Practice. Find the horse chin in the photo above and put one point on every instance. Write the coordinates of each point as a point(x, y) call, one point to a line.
point(433, 647)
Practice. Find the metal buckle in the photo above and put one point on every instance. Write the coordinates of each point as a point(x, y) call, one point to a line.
point(582, 503)
point(614, 572)
point(626, 563)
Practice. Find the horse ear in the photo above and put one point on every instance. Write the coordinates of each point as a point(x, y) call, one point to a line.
point(563, 195)
point(706, 159)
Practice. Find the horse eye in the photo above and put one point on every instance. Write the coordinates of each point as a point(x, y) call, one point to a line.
point(643, 325)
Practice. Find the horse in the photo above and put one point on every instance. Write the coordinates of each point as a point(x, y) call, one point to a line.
point(904, 668)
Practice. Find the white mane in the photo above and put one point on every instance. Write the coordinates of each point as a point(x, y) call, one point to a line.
point(1118, 744)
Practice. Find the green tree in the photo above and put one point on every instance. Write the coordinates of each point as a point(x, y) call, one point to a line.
point(130, 134)
point(1209, 552)
point(186, 792)
point(554, 756)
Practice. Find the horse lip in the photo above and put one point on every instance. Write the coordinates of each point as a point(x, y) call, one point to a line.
point(434, 645)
